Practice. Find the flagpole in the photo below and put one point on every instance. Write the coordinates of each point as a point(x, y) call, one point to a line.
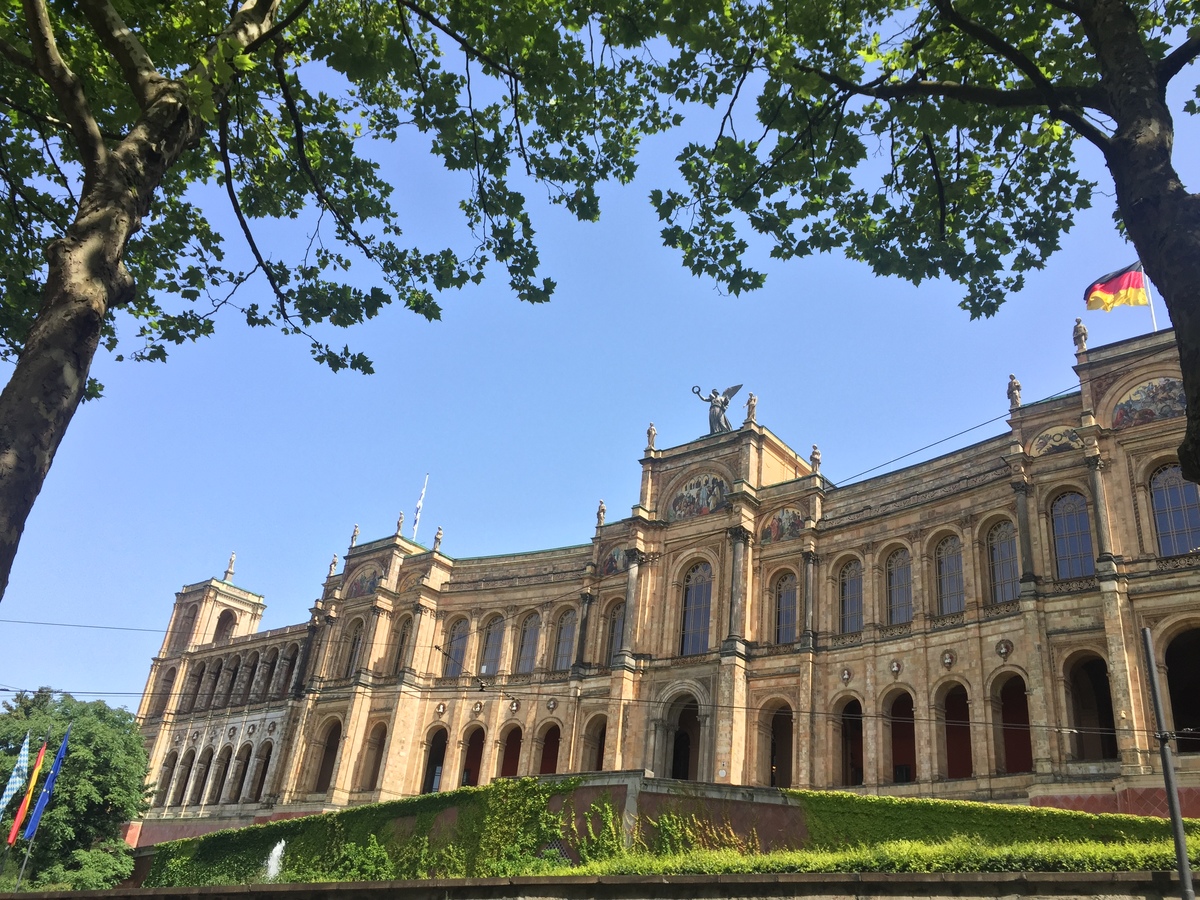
point(24, 863)
point(1150, 301)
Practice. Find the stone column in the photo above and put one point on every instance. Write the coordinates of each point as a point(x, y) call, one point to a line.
point(300, 674)
point(370, 657)
point(581, 633)
point(737, 596)
point(634, 558)
point(1103, 534)
point(1025, 536)
point(807, 636)
point(410, 647)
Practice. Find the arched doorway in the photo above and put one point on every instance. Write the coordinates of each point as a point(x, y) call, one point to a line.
point(241, 768)
point(474, 757)
point(1093, 731)
point(164, 778)
point(548, 764)
point(684, 748)
point(511, 757)
point(372, 757)
point(1014, 752)
point(435, 759)
point(956, 733)
point(220, 773)
point(775, 745)
point(262, 767)
point(594, 737)
point(901, 743)
point(850, 744)
point(181, 780)
point(1183, 686)
point(329, 753)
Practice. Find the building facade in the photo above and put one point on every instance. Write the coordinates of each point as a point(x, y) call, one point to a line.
point(967, 627)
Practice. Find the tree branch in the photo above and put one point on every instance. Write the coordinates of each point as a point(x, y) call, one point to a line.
point(1052, 97)
point(279, 27)
point(57, 124)
point(15, 56)
point(466, 45)
point(231, 190)
point(937, 178)
point(140, 72)
point(67, 90)
point(1174, 61)
point(992, 40)
point(301, 141)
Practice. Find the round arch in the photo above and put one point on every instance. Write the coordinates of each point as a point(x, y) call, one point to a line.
point(898, 747)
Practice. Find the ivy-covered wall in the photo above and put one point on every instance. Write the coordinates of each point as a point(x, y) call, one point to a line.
point(498, 830)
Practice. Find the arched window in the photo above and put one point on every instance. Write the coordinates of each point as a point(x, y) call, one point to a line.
point(263, 761)
point(616, 630)
point(247, 679)
point(493, 638)
point(948, 559)
point(850, 594)
point(564, 645)
point(183, 631)
point(697, 599)
point(329, 751)
point(1176, 506)
point(166, 684)
point(1072, 537)
point(456, 649)
point(226, 622)
point(527, 657)
point(899, 587)
point(356, 639)
point(402, 638)
point(1002, 563)
point(785, 609)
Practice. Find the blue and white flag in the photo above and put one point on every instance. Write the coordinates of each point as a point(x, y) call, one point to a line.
point(17, 779)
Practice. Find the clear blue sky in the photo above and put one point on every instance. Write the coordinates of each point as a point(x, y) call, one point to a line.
point(524, 417)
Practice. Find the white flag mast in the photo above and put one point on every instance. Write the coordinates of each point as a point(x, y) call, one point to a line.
point(417, 514)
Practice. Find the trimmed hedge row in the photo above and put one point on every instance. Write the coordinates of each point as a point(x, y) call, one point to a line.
point(958, 854)
point(838, 819)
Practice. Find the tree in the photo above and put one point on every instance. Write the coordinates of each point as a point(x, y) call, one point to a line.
point(116, 115)
point(937, 137)
point(102, 785)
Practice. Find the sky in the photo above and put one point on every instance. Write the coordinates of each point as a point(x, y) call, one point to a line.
point(524, 417)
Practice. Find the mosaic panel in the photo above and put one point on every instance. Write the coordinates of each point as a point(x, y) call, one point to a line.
point(785, 525)
point(613, 563)
point(1055, 440)
point(365, 581)
point(702, 495)
point(1158, 398)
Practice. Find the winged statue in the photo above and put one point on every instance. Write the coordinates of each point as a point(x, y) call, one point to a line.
point(717, 404)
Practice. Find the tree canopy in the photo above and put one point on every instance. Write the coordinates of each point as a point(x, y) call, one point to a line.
point(932, 138)
point(922, 137)
point(102, 785)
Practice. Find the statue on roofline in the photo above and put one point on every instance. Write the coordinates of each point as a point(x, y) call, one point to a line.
point(717, 404)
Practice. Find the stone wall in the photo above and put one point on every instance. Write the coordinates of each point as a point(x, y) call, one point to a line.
point(866, 886)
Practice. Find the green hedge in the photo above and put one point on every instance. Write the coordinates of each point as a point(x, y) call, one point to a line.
point(837, 819)
point(505, 829)
point(496, 830)
point(959, 854)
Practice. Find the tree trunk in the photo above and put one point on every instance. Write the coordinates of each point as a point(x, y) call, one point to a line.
point(1161, 217)
point(49, 380)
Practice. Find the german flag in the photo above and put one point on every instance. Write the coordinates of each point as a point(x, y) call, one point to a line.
point(1124, 288)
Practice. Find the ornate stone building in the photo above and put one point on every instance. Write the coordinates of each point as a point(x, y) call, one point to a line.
point(967, 627)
